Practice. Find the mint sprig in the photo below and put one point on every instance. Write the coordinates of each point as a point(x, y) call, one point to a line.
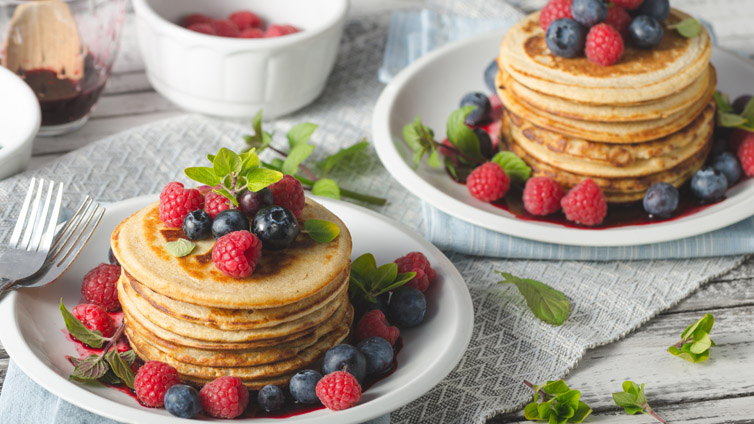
point(515, 167)
point(556, 403)
point(320, 230)
point(728, 118)
point(695, 341)
point(368, 281)
point(633, 400)
point(546, 303)
point(688, 27)
point(79, 331)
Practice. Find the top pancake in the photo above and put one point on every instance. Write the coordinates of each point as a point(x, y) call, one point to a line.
point(640, 75)
point(281, 277)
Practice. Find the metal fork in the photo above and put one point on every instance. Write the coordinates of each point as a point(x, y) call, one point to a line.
point(33, 234)
point(67, 246)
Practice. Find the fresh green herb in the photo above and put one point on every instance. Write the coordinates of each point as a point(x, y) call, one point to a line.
point(321, 231)
point(368, 281)
point(347, 152)
point(120, 367)
point(326, 187)
point(79, 331)
point(461, 136)
point(688, 27)
point(546, 303)
point(180, 247)
point(420, 139)
point(516, 169)
point(93, 367)
point(695, 341)
point(556, 403)
point(728, 118)
point(633, 400)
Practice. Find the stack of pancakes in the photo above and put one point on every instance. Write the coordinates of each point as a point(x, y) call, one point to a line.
point(646, 119)
point(262, 329)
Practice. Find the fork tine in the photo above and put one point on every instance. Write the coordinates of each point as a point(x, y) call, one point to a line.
point(34, 217)
point(83, 236)
point(42, 221)
point(53, 224)
point(67, 231)
point(22, 215)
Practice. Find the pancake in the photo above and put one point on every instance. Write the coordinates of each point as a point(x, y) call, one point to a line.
point(281, 278)
point(689, 142)
point(640, 75)
point(660, 108)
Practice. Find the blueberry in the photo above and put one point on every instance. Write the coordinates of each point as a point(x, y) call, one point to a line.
point(489, 76)
point(708, 185)
point(228, 221)
point(661, 200)
point(111, 257)
point(645, 32)
point(485, 143)
point(566, 38)
point(303, 386)
point(658, 9)
point(183, 401)
point(481, 114)
point(378, 352)
point(362, 306)
point(728, 164)
point(270, 398)
point(276, 226)
point(344, 357)
point(588, 12)
point(407, 307)
point(250, 202)
point(740, 103)
point(197, 225)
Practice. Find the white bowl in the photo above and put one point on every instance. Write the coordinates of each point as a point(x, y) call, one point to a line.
point(234, 77)
point(20, 118)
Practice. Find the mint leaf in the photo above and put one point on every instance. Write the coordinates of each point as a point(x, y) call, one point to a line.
point(259, 178)
point(120, 367)
point(329, 163)
point(581, 413)
point(384, 275)
point(565, 406)
point(369, 281)
point(298, 154)
point(434, 160)
point(226, 161)
point(364, 265)
point(460, 135)
point(180, 247)
point(688, 27)
point(633, 400)
point(249, 161)
point(203, 175)
point(695, 341)
point(420, 139)
point(93, 367)
point(321, 231)
point(129, 356)
point(300, 134)
point(260, 139)
point(748, 111)
point(723, 102)
point(516, 169)
point(546, 303)
point(78, 330)
point(327, 188)
point(400, 280)
point(730, 120)
point(228, 195)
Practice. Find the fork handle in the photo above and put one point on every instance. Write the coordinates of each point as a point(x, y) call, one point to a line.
point(5, 284)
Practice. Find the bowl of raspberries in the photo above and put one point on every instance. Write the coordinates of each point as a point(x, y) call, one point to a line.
point(231, 58)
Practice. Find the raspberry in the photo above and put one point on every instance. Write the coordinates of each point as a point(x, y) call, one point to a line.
point(245, 19)
point(152, 382)
point(488, 182)
point(99, 287)
point(94, 318)
point(338, 390)
point(628, 4)
point(554, 9)
point(280, 30)
point(618, 18)
point(604, 45)
point(542, 196)
point(746, 155)
point(176, 202)
point(215, 203)
point(289, 194)
point(374, 323)
point(251, 33)
point(585, 204)
point(225, 28)
point(225, 397)
point(418, 263)
point(203, 28)
point(196, 18)
point(237, 253)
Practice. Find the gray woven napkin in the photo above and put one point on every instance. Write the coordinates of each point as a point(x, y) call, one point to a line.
point(509, 344)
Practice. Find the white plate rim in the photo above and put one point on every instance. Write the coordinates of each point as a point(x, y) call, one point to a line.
point(727, 212)
point(21, 353)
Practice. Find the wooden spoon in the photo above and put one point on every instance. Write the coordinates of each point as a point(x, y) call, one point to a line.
point(43, 35)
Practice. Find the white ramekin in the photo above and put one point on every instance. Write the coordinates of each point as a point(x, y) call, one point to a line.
point(20, 118)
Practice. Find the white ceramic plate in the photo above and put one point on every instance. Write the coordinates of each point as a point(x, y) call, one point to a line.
point(33, 335)
point(432, 87)
point(20, 118)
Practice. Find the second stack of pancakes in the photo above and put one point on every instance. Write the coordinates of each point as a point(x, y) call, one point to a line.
point(649, 118)
point(262, 329)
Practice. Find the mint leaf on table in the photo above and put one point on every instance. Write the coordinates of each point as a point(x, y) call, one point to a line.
point(321, 231)
point(120, 367)
point(329, 162)
point(555, 402)
point(179, 248)
point(633, 400)
point(515, 168)
point(460, 135)
point(79, 331)
point(546, 303)
point(300, 133)
point(368, 281)
point(296, 156)
point(260, 140)
point(695, 341)
point(327, 188)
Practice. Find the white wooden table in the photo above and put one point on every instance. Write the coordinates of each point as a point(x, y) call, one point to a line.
point(718, 391)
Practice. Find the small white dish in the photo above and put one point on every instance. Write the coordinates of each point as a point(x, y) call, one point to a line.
point(20, 118)
point(234, 77)
point(33, 330)
point(432, 87)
